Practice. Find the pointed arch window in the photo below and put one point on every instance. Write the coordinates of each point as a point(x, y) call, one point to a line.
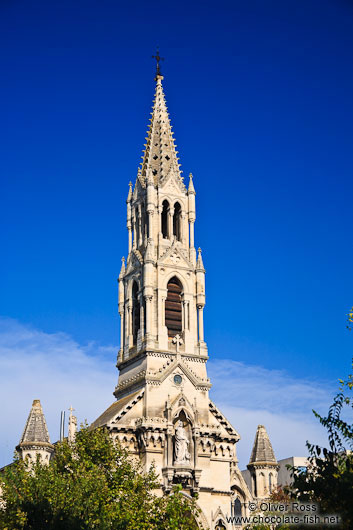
point(254, 485)
point(135, 312)
point(237, 507)
point(164, 219)
point(177, 221)
point(270, 482)
point(173, 307)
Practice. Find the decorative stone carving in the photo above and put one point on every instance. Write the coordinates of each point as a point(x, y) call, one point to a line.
point(181, 445)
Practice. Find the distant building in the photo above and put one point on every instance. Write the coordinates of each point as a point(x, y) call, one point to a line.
point(284, 474)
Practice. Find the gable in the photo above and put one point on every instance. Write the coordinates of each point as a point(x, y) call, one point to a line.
point(222, 421)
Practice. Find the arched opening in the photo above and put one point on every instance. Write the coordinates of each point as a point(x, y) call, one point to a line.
point(164, 219)
point(237, 507)
point(262, 484)
point(177, 221)
point(173, 308)
point(135, 312)
point(270, 482)
point(254, 484)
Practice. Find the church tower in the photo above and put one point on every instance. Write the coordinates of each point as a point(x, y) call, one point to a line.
point(163, 413)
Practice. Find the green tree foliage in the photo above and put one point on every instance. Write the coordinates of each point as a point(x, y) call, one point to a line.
point(89, 485)
point(328, 480)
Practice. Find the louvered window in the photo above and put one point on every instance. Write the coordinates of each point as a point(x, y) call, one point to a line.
point(173, 318)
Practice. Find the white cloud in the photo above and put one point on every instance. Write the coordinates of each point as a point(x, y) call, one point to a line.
point(57, 370)
point(251, 395)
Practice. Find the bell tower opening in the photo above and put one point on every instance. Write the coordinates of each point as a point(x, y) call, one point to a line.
point(177, 221)
point(173, 307)
point(135, 312)
point(164, 220)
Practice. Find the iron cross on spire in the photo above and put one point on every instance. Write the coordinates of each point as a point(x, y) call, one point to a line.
point(158, 58)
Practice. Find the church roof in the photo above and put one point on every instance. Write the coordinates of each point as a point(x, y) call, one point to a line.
point(111, 412)
point(36, 429)
point(262, 449)
point(160, 155)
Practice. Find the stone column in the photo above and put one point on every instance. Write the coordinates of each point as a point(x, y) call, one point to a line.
point(148, 299)
point(134, 228)
point(142, 317)
point(130, 236)
point(170, 223)
point(131, 339)
point(121, 313)
point(192, 242)
point(139, 224)
point(183, 225)
point(200, 312)
point(186, 323)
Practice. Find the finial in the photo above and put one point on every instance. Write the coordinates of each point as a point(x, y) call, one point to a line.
point(191, 188)
point(199, 250)
point(129, 195)
point(122, 270)
point(71, 409)
point(158, 58)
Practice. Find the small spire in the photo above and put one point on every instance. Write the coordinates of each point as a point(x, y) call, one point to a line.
point(199, 264)
point(262, 449)
point(122, 270)
point(129, 196)
point(191, 188)
point(36, 429)
point(159, 154)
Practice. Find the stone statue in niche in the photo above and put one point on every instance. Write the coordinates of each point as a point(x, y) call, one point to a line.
point(181, 446)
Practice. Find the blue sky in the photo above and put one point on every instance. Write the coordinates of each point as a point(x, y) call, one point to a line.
point(260, 100)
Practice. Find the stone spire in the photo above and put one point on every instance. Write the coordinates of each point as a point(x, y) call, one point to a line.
point(263, 466)
point(35, 438)
point(262, 449)
point(160, 155)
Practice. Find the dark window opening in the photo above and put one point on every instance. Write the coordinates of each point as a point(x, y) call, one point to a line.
point(135, 312)
point(165, 213)
point(237, 507)
point(177, 221)
point(173, 308)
